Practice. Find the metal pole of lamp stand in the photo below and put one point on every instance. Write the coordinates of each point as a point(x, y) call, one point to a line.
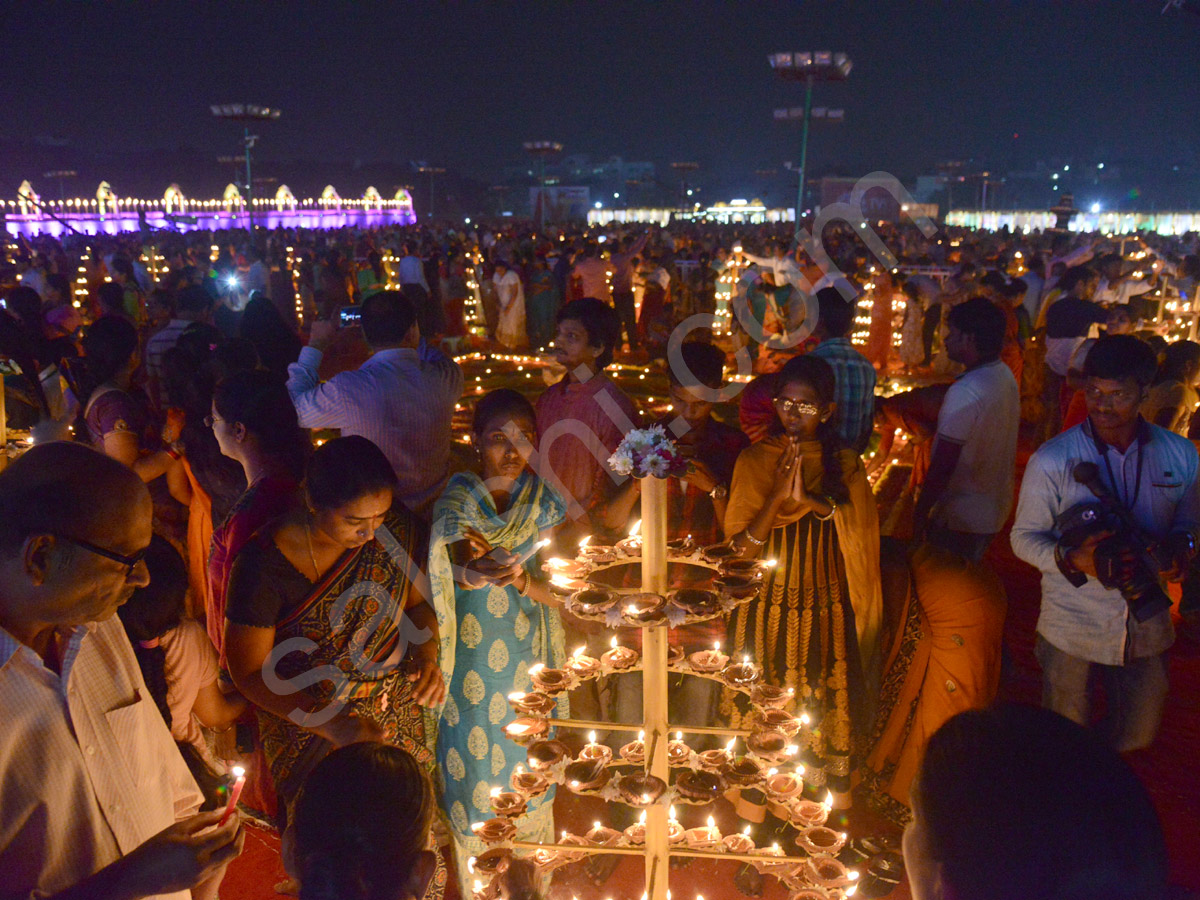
point(249, 186)
point(654, 681)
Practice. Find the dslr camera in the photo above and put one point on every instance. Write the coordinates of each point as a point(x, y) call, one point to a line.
point(1129, 560)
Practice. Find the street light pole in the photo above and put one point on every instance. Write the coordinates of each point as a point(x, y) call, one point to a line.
point(808, 86)
point(809, 68)
point(542, 149)
point(247, 113)
point(431, 171)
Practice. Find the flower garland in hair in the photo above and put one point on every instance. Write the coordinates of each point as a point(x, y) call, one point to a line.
point(648, 451)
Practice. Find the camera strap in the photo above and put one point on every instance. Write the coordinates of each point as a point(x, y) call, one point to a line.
point(1112, 480)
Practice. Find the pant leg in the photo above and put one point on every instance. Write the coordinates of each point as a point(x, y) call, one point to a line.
point(1052, 385)
point(627, 313)
point(933, 318)
point(1064, 682)
point(1136, 692)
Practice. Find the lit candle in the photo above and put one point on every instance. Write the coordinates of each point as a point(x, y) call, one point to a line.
point(239, 775)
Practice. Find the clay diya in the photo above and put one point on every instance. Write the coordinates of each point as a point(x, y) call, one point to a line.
point(643, 609)
point(699, 786)
point(738, 587)
point(718, 553)
point(494, 831)
point(572, 840)
point(549, 681)
point(738, 843)
point(641, 790)
point(820, 841)
point(741, 674)
point(636, 834)
point(807, 813)
point(738, 566)
point(543, 755)
point(591, 602)
point(681, 546)
point(769, 745)
point(634, 752)
point(714, 760)
point(630, 546)
point(603, 836)
point(620, 657)
point(490, 862)
point(529, 784)
point(535, 703)
point(524, 729)
point(779, 720)
point(583, 666)
point(697, 602)
point(827, 872)
point(743, 772)
point(770, 696)
point(593, 751)
point(586, 776)
point(706, 837)
point(708, 661)
point(783, 786)
point(678, 753)
point(508, 804)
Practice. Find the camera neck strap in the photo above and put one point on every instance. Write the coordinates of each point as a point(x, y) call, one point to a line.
point(1112, 479)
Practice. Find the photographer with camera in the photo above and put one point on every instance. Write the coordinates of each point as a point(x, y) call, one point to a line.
point(1109, 510)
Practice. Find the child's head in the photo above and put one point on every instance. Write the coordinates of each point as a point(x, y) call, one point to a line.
point(360, 826)
point(804, 396)
point(156, 608)
point(588, 330)
point(698, 372)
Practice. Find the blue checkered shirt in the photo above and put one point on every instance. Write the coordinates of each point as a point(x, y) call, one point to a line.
point(855, 390)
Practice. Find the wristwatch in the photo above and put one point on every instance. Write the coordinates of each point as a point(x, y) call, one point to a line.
point(720, 492)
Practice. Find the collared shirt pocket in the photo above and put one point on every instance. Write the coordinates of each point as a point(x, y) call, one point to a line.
point(133, 726)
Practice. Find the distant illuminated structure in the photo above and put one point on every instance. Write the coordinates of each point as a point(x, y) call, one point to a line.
point(27, 214)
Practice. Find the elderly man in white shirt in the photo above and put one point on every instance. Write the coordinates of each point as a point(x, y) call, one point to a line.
point(97, 803)
point(401, 399)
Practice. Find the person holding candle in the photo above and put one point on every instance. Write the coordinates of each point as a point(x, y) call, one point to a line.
point(329, 604)
point(98, 804)
point(496, 619)
point(801, 497)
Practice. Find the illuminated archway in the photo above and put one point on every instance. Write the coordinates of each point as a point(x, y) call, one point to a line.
point(372, 198)
point(331, 198)
point(106, 198)
point(28, 200)
point(232, 199)
point(173, 200)
point(284, 198)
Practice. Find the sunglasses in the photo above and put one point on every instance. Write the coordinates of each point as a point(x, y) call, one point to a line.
point(796, 407)
point(129, 562)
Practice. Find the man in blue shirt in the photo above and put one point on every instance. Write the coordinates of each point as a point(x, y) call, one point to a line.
point(854, 414)
point(1084, 624)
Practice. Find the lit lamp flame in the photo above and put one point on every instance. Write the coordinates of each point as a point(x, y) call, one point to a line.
point(583, 544)
point(637, 527)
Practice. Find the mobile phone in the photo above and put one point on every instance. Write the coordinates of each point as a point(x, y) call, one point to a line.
point(350, 315)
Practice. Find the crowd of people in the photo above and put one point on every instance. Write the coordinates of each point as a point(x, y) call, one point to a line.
point(307, 579)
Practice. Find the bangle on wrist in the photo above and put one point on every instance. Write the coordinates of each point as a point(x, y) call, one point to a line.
point(525, 587)
point(172, 452)
point(754, 542)
point(828, 515)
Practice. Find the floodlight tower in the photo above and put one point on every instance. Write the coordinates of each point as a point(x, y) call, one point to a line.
point(808, 68)
point(247, 113)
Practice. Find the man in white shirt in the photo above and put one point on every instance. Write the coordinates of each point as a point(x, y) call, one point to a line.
point(401, 399)
point(1086, 627)
point(969, 490)
point(97, 803)
point(193, 304)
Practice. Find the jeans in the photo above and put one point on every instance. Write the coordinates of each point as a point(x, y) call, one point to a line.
point(964, 543)
point(627, 313)
point(1136, 693)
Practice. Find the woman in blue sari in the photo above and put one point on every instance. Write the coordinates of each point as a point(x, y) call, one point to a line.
point(496, 618)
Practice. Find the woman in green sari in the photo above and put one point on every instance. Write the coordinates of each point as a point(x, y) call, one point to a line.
point(327, 628)
point(496, 618)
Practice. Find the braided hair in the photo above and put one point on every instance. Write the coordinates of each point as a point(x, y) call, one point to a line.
point(817, 374)
point(360, 823)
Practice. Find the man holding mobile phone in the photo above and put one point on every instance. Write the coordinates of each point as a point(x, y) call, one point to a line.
point(401, 399)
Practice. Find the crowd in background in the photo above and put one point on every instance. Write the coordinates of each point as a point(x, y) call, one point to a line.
point(295, 534)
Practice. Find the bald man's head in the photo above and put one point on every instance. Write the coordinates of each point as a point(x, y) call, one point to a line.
point(65, 488)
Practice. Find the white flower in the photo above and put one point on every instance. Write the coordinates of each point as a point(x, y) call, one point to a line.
point(622, 461)
point(656, 466)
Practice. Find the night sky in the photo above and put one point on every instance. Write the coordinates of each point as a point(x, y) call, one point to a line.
point(463, 84)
